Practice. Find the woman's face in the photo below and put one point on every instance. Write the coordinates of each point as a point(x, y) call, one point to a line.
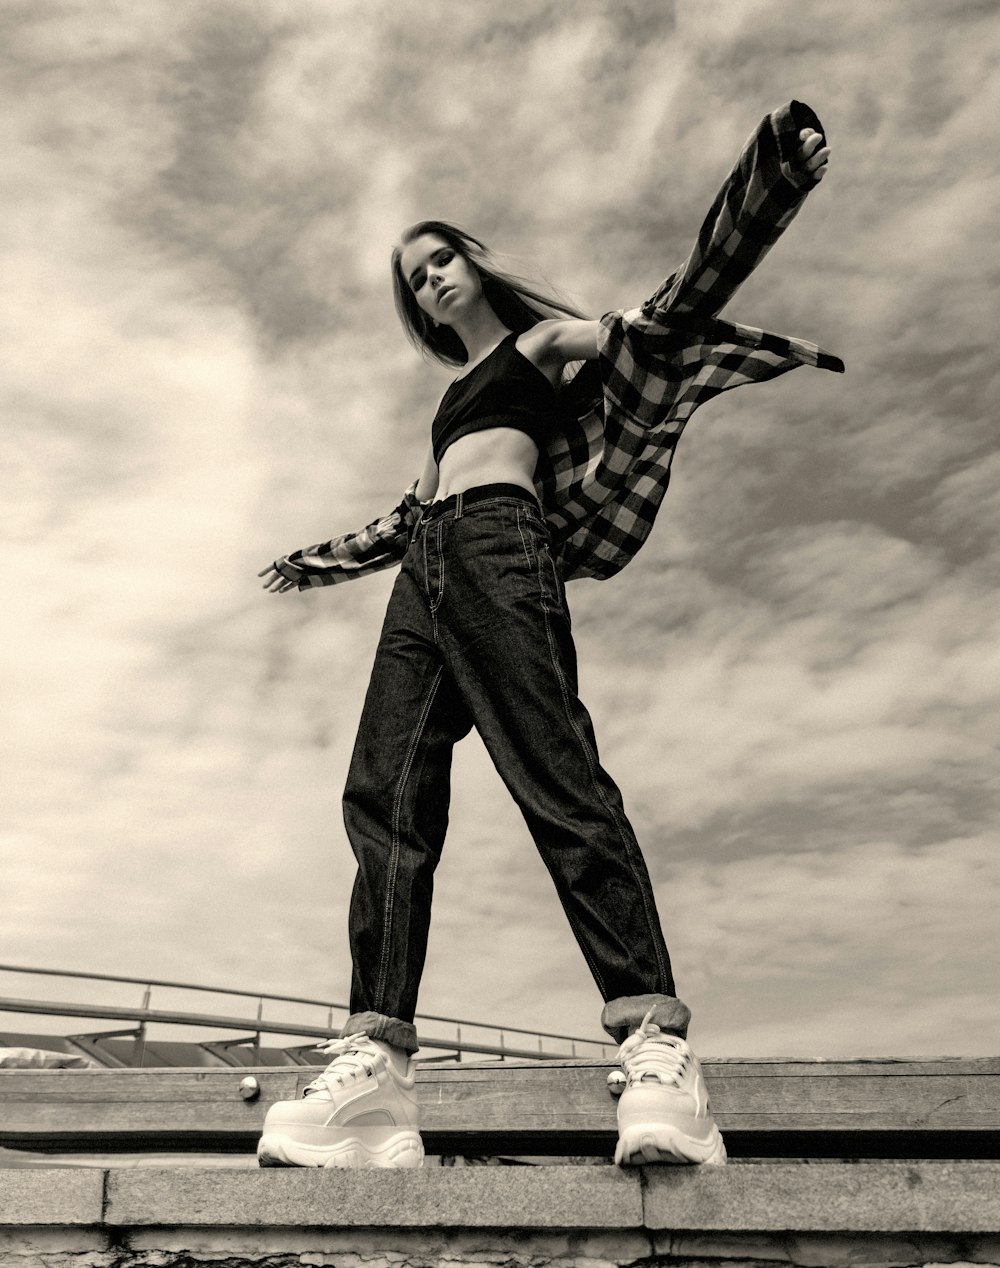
point(442, 280)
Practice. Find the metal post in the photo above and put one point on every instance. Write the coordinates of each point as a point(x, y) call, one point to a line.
point(139, 1047)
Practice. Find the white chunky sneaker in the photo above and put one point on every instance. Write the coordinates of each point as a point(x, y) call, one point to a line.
point(663, 1114)
point(360, 1112)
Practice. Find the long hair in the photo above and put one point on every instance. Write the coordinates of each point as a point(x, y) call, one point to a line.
point(517, 304)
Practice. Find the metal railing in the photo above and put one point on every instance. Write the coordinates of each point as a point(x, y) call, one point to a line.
point(546, 1045)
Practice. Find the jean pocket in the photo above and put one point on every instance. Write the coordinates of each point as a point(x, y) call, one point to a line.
point(538, 556)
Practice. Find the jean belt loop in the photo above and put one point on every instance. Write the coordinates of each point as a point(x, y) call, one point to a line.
point(458, 506)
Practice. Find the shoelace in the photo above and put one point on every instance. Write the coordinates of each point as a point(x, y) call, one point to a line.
point(649, 1053)
point(350, 1061)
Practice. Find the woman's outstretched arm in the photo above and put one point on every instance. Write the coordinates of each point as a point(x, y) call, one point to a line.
point(381, 544)
point(553, 343)
point(784, 158)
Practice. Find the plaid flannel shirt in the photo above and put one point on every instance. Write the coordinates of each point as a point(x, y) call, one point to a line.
point(601, 480)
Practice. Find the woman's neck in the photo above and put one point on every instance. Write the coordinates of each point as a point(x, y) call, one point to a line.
point(480, 331)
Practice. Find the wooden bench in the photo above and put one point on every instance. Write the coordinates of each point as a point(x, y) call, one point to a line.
point(947, 1108)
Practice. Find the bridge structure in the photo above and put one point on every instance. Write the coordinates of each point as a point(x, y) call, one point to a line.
point(880, 1162)
point(199, 1013)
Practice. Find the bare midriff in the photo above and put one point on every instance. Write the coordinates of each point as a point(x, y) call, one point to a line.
point(499, 455)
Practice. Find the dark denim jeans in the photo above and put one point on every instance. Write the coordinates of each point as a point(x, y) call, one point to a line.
point(477, 633)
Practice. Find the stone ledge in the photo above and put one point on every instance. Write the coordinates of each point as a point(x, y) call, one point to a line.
point(51, 1196)
point(897, 1197)
point(474, 1197)
point(917, 1197)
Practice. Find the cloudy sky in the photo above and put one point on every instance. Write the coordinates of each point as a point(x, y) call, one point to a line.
point(796, 681)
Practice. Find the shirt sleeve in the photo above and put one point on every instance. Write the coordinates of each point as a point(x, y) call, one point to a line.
point(605, 478)
point(379, 545)
point(757, 202)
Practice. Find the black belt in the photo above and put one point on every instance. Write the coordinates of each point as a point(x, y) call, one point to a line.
point(458, 502)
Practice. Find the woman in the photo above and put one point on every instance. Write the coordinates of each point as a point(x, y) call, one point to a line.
point(477, 633)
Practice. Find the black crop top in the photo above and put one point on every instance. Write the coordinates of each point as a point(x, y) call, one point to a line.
point(504, 390)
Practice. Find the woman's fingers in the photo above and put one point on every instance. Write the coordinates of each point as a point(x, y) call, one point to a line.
point(813, 155)
point(273, 580)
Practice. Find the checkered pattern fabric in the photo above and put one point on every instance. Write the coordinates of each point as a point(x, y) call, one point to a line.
point(601, 481)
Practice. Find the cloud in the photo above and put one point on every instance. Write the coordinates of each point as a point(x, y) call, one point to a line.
point(849, 943)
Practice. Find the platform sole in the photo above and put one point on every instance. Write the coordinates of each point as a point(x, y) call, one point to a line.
point(644, 1143)
point(358, 1151)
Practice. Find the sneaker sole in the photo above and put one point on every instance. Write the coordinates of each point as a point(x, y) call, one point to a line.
point(356, 1153)
point(660, 1143)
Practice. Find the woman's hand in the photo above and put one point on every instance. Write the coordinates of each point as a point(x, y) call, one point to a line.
point(812, 155)
point(274, 581)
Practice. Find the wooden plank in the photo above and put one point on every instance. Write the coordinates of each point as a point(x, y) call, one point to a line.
point(521, 1107)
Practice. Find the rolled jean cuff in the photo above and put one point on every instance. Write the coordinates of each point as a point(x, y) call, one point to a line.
point(623, 1016)
point(401, 1034)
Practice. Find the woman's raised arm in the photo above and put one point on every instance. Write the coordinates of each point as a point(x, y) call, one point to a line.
point(553, 343)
